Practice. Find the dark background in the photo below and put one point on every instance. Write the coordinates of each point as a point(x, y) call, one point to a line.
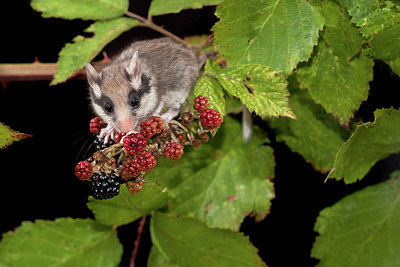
point(37, 180)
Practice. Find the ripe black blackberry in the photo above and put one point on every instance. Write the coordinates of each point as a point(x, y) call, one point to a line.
point(104, 186)
point(99, 143)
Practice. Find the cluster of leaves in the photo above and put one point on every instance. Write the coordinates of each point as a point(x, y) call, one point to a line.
point(317, 54)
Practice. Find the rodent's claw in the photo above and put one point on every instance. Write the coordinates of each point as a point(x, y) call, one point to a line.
point(107, 133)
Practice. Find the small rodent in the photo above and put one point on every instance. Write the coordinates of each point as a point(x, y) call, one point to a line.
point(146, 79)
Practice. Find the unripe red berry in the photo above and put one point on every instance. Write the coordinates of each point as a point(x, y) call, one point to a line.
point(96, 124)
point(134, 143)
point(173, 151)
point(200, 103)
point(119, 136)
point(210, 119)
point(83, 170)
point(145, 161)
point(130, 167)
point(154, 125)
point(134, 187)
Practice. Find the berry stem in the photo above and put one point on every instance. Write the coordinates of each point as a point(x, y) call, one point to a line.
point(114, 150)
point(178, 124)
point(137, 241)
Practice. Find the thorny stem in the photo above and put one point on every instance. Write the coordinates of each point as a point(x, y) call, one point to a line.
point(137, 241)
point(149, 23)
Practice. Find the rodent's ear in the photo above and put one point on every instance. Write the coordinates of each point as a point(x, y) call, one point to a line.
point(94, 79)
point(134, 71)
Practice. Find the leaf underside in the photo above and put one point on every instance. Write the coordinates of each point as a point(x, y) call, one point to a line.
point(222, 181)
point(63, 242)
point(9, 136)
point(362, 229)
point(81, 9)
point(159, 7)
point(315, 135)
point(188, 242)
point(128, 207)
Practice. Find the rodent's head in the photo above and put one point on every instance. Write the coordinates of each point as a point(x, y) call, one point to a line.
point(122, 94)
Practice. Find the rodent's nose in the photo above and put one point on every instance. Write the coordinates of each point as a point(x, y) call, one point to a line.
point(126, 125)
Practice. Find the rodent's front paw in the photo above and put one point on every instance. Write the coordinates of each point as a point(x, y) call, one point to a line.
point(107, 133)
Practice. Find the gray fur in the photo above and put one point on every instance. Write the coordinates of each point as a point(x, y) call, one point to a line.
point(168, 68)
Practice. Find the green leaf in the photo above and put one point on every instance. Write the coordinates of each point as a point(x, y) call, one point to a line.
point(362, 229)
point(370, 142)
point(9, 136)
point(339, 88)
point(277, 33)
point(209, 87)
point(223, 181)
point(339, 32)
point(63, 242)
point(188, 242)
point(156, 258)
point(385, 45)
point(337, 77)
point(259, 87)
point(128, 207)
point(81, 9)
point(372, 16)
point(74, 55)
point(159, 7)
point(395, 65)
point(380, 23)
point(315, 135)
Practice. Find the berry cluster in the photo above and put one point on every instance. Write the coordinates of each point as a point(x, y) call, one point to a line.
point(134, 143)
point(152, 126)
point(104, 186)
point(96, 124)
point(173, 151)
point(210, 119)
point(126, 158)
point(200, 103)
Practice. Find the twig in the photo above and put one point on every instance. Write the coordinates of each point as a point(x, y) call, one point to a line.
point(137, 241)
point(36, 71)
point(149, 23)
point(207, 42)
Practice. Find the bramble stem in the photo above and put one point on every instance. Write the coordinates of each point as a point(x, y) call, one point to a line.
point(149, 23)
point(137, 241)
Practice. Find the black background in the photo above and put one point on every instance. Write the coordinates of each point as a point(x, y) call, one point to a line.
point(37, 180)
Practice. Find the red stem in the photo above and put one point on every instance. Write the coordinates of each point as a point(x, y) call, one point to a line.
point(137, 241)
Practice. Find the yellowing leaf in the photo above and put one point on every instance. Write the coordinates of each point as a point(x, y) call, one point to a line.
point(259, 87)
point(9, 136)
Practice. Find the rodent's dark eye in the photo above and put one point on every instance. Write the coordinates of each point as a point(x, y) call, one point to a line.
point(133, 101)
point(108, 107)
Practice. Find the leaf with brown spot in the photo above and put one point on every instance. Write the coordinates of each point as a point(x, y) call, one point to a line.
point(9, 136)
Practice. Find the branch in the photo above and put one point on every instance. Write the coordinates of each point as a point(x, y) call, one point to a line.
point(137, 241)
point(36, 71)
point(149, 23)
